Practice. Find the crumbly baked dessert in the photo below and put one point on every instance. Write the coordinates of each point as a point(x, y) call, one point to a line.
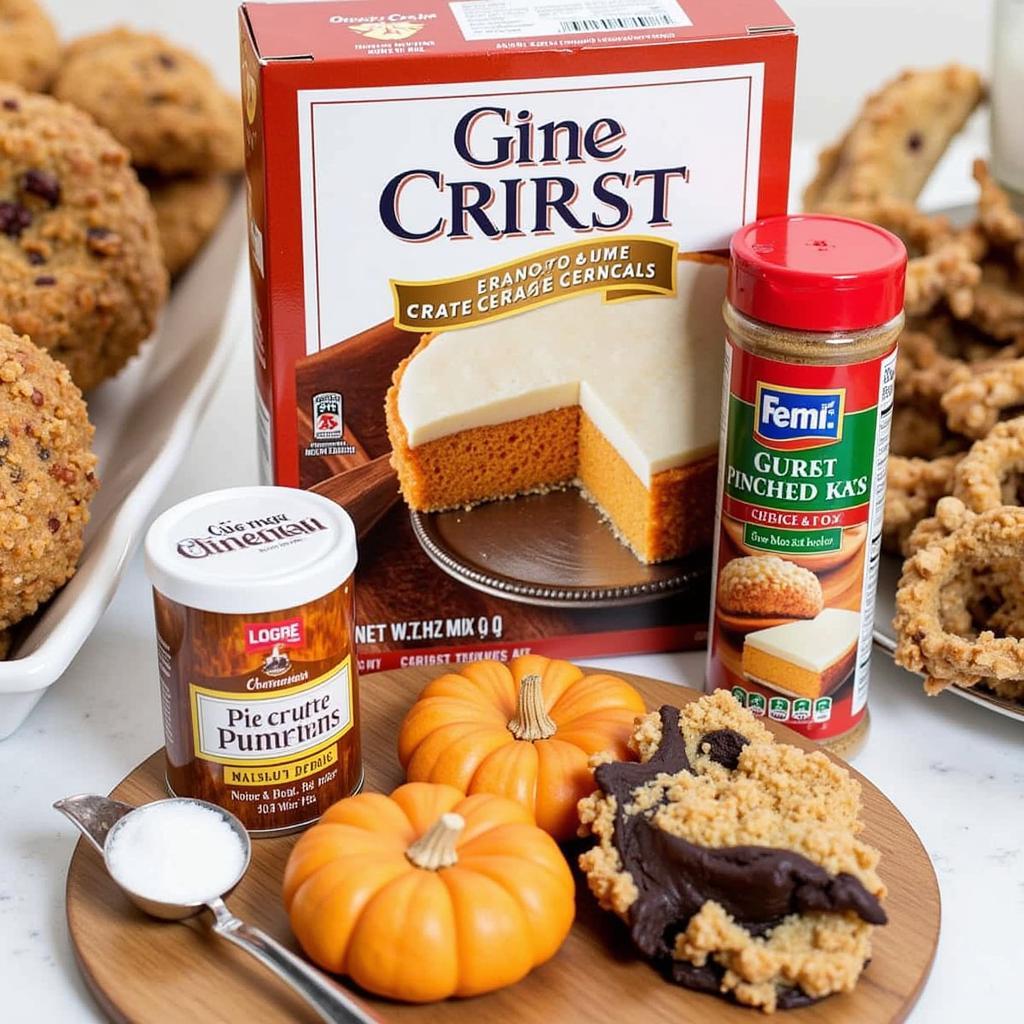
point(47, 476)
point(80, 265)
point(29, 47)
point(767, 585)
point(610, 397)
point(156, 98)
point(898, 137)
point(735, 860)
point(188, 210)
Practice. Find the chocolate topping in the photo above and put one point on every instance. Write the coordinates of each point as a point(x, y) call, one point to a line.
point(724, 747)
point(757, 885)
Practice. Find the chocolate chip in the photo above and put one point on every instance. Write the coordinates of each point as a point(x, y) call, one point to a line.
point(35, 258)
point(5, 441)
point(15, 474)
point(11, 104)
point(37, 397)
point(166, 60)
point(723, 746)
point(42, 184)
point(45, 280)
point(14, 218)
point(915, 140)
point(43, 453)
point(98, 232)
point(53, 523)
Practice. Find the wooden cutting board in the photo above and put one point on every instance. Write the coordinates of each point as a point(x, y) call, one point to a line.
point(151, 972)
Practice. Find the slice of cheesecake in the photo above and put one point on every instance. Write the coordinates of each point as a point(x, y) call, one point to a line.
point(619, 398)
point(809, 657)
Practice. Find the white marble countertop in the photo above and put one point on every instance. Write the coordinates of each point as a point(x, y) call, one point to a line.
point(956, 771)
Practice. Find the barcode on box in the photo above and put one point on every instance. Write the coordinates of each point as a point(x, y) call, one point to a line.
point(611, 24)
point(516, 19)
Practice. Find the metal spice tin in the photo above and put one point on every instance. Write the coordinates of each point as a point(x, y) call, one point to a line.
point(255, 626)
point(814, 310)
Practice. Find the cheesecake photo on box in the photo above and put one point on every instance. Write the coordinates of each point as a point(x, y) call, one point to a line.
point(787, 627)
point(617, 399)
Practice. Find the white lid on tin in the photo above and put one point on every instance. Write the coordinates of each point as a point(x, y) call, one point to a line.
point(251, 549)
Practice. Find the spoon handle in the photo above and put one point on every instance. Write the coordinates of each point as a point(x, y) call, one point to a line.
point(329, 1000)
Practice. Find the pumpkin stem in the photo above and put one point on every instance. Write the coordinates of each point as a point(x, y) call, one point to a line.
point(436, 847)
point(532, 722)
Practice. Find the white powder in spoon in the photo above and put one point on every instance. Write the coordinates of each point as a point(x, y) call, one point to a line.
point(176, 852)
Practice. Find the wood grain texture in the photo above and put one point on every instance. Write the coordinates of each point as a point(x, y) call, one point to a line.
point(367, 493)
point(150, 972)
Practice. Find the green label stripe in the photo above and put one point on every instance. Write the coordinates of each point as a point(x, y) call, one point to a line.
point(797, 542)
point(831, 476)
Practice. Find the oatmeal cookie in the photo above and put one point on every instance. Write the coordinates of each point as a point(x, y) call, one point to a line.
point(188, 211)
point(960, 556)
point(913, 488)
point(734, 859)
point(80, 265)
point(990, 473)
point(769, 585)
point(924, 373)
point(897, 139)
point(29, 48)
point(998, 221)
point(47, 476)
point(997, 310)
point(973, 407)
point(157, 99)
point(946, 273)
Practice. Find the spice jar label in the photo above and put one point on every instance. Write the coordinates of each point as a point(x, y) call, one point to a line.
point(307, 719)
point(802, 473)
point(267, 732)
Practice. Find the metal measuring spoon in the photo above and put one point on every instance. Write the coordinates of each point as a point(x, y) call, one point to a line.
point(99, 819)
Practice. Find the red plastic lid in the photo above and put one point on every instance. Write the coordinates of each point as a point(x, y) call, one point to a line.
point(817, 273)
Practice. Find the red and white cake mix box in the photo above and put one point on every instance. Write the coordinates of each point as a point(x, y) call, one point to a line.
point(487, 248)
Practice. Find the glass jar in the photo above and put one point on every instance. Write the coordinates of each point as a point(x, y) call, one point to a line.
point(813, 313)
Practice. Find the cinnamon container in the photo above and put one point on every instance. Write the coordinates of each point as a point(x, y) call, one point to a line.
point(253, 597)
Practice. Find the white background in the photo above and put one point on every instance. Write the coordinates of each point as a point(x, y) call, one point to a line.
point(956, 771)
point(846, 46)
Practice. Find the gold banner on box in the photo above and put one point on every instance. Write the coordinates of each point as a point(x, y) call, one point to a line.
point(623, 267)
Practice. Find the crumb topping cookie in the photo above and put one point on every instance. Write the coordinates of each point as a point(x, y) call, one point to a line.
point(769, 585)
point(188, 211)
point(734, 859)
point(29, 47)
point(156, 98)
point(47, 476)
point(80, 265)
point(898, 137)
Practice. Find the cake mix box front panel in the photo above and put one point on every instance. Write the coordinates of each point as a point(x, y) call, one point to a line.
point(487, 247)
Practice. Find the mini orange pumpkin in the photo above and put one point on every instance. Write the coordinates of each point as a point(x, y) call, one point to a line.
point(428, 893)
point(525, 730)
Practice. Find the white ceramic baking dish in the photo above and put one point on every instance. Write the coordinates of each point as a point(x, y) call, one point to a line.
point(145, 419)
